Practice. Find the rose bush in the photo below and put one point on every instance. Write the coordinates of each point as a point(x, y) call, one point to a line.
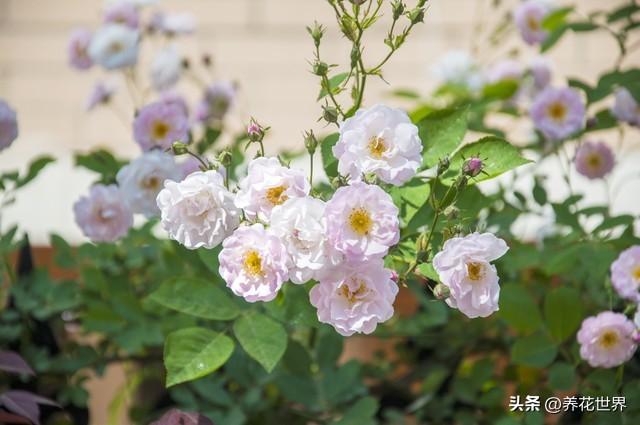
point(242, 312)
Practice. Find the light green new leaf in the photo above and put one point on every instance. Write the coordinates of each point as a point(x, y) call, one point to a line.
point(264, 339)
point(196, 297)
point(329, 162)
point(441, 132)
point(192, 353)
point(518, 309)
point(537, 350)
point(334, 84)
point(563, 312)
point(498, 157)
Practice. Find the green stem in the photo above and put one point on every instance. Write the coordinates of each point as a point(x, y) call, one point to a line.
point(311, 169)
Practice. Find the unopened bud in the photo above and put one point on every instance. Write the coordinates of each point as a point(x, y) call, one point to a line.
point(416, 15)
point(316, 32)
point(473, 166)
point(441, 291)
point(179, 148)
point(443, 165)
point(421, 243)
point(451, 212)
point(255, 131)
point(330, 114)
point(398, 9)
point(206, 60)
point(348, 27)
point(320, 69)
point(225, 158)
point(310, 142)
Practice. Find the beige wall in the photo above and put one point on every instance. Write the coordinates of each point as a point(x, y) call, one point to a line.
point(260, 43)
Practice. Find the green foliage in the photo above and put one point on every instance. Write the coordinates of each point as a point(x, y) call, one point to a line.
point(264, 339)
point(329, 161)
point(519, 309)
point(441, 132)
point(563, 312)
point(537, 350)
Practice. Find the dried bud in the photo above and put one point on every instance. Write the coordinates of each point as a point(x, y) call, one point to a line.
point(179, 148)
point(441, 291)
point(443, 165)
point(320, 68)
point(416, 15)
point(316, 32)
point(330, 114)
point(225, 158)
point(398, 9)
point(310, 142)
point(473, 166)
point(255, 131)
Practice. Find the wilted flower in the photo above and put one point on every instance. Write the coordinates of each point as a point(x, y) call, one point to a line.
point(78, 49)
point(464, 266)
point(166, 68)
point(123, 13)
point(594, 159)
point(459, 68)
point(558, 113)
point(355, 297)
point(114, 46)
point(625, 273)
point(104, 215)
point(142, 179)
point(626, 108)
point(100, 94)
point(606, 340)
point(198, 212)
point(299, 223)
point(362, 221)
point(528, 17)
point(159, 124)
point(8, 125)
point(379, 140)
point(254, 263)
point(268, 184)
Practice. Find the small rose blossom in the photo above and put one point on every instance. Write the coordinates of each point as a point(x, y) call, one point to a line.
point(123, 13)
point(268, 184)
point(459, 68)
point(558, 113)
point(299, 223)
point(101, 94)
point(594, 159)
point(362, 221)
point(198, 212)
point(166, 68)
point(464, 266)
point(8, 125)
point(114, 46)
point(142, 179)
point(218, 100)
point(254, 263)
point(625, 274)
point(355, 297)
point(505, 70)
point(379, 140)
point(626, 108)
point(159, 125)
point(528, 17)
point(606, 340)
point(78, 49)
point(103, 215)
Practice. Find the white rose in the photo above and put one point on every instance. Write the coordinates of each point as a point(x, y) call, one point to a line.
point(379, 140)
point(268, 184)
point(300, 226)
point(141, 180)
point(198, 211)
point(166, 68)
point(114, 46)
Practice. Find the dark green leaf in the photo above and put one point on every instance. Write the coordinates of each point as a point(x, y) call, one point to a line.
point(537, 350)
point(264, 339)
point(441, 132)
point(563, 312)
point(329, 161)
point(519, 309)
point(35, 167)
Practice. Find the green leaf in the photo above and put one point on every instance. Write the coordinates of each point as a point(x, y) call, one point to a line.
point(329, 161)
point(361, 413)
point(35, 167)
point(519, 309)
point(553, 38)
point(406, 93)
point(264, 339)
point(623, 12)
point(537, 350)
point(211, 136)
point(502, 90)
point(334, 84)
point(498, 157)
point(209, 258)
point(441, 132)
point(563, 312)
point(102, 162)
point(556, 18)
point(562, 376)
point(192, 353)
point(410, 198)
point(196, 297)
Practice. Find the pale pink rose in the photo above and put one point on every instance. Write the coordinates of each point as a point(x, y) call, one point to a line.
point(254, 263)
point(104, 215)
point(355, 297)
point(594, 159)
point(464, 266)
point(625, 274)
point(607, 340)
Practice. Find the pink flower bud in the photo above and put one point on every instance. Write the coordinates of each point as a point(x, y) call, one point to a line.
point(473, 167)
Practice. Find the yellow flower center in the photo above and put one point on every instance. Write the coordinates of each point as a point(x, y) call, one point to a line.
point(594, 161)
point(151, 183)
point(116, 47)
point(533, 23)
point(252, 263)
point(557, 111)
point(160, 130)
point(475, 271)
point(636, 273)
point(360, 221)
point(376, 147)
point(608, 339)
point(276, 195)
point(352, 296)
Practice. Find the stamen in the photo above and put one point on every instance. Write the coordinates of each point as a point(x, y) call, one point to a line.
point(360, 221)
point(276, 195)
point(252, 263)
